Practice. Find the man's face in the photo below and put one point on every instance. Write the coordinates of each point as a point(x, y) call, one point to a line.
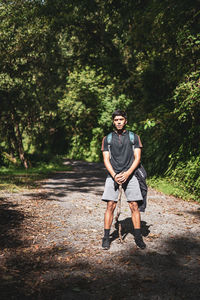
point(119, 122)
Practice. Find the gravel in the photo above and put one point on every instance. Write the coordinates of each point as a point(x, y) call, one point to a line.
point(168, 268)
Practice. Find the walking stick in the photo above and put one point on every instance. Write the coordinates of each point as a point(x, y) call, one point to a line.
point(119, 212)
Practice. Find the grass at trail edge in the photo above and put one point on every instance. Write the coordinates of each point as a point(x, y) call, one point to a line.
point(176, 189)
point(15, 179)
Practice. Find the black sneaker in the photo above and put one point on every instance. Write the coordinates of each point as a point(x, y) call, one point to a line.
point(105, 243)
point(139, 242)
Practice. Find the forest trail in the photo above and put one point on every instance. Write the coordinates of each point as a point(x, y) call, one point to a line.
point(54, 249)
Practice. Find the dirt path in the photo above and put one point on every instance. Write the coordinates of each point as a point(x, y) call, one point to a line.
point(51, 244)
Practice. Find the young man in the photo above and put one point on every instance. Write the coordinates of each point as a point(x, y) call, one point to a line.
point(120, 161)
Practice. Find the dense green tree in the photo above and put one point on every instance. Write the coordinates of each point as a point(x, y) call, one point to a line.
point(29, 73)
point(65, 65)
point(86, 109)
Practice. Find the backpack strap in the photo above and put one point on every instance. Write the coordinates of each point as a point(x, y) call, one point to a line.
point(131, 137)
point(109, 139)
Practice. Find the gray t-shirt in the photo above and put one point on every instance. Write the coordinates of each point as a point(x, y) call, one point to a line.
point(121, 149)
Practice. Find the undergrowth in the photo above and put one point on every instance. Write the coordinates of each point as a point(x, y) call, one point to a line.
point(172, 188)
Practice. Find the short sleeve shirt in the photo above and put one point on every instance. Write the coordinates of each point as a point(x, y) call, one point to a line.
point(121, 150)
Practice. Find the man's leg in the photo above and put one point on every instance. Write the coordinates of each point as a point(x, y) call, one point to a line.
point(108, 219)
point(136, 219)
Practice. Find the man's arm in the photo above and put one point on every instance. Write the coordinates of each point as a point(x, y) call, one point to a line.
point(106, 159)
point(121, 177)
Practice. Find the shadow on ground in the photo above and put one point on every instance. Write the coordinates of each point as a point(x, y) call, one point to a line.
point(195, 213)
point(62, 273)
point(126, 228)
point(10, 219)
point(85, 178)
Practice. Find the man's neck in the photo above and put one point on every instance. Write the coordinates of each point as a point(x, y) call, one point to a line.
point(120, 131)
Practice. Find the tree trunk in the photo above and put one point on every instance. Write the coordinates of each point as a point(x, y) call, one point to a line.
point(17, 137)
point(20, 146)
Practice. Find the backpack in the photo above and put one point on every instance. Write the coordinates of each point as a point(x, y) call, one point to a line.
point(140, 172)
point(131, 137)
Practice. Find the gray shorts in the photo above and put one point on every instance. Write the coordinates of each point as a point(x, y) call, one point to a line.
point(131, 190)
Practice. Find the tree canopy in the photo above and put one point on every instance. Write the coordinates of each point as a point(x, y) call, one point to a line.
point(66, 65)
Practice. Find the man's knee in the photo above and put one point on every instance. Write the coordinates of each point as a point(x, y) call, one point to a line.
point(111, 206)
point(133, 206)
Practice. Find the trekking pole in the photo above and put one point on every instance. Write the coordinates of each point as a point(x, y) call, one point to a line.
point(119, 212)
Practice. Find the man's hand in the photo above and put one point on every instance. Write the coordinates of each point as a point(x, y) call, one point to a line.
point(121, 177)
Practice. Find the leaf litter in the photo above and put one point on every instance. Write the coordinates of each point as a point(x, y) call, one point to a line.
point(51, 243)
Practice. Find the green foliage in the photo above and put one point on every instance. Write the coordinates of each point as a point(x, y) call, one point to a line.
point(65, 66)
point(17, 178)
point(172, 187)
point(187, 99)
point(88, 103)
point(28, 83)
point(186, 175)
